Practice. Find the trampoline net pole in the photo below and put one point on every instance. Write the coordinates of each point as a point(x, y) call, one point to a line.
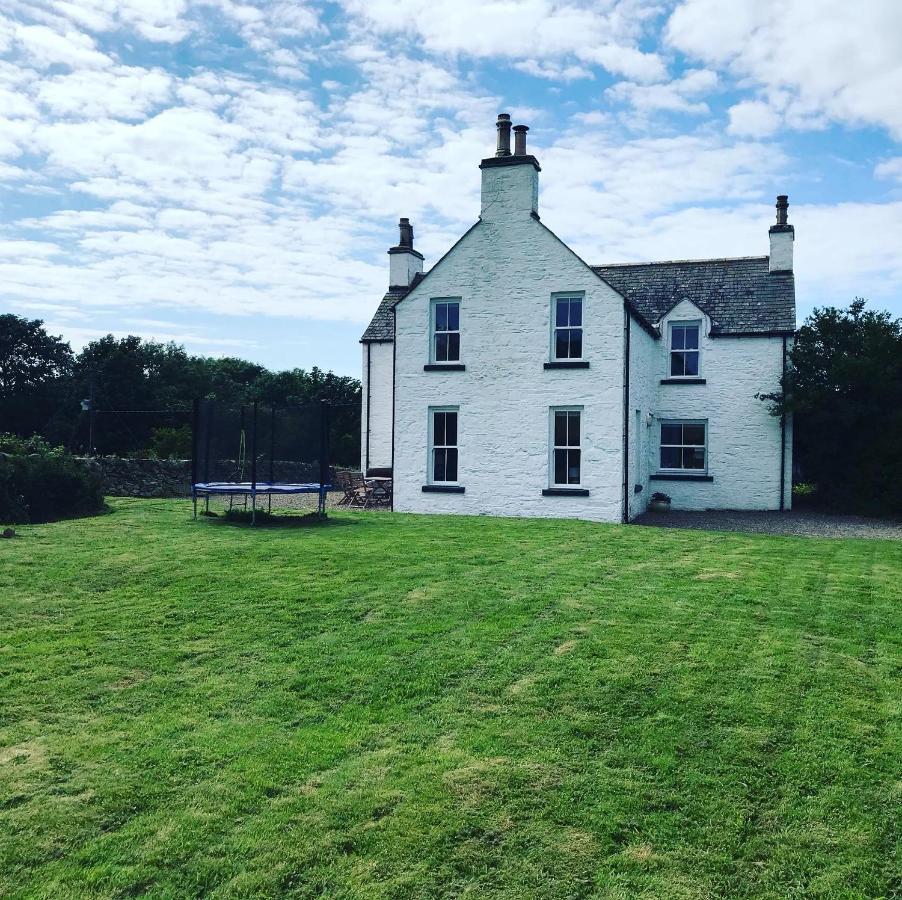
point(195, 424)
point(254, 464)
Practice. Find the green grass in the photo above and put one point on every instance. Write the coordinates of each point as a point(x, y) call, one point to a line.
point(403, 707)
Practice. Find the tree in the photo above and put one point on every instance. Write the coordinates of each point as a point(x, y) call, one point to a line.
point(34, 366)
point(844, 389)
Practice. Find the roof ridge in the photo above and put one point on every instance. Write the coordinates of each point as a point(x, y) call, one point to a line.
point(670, 262)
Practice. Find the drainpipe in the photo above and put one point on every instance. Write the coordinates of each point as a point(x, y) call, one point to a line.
point(369, 393)
point(783, 435)
point(394, 356)
point(626, 424)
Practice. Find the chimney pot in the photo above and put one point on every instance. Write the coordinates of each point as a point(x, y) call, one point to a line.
point(406, 229)
point(504, 135)
point(782, 209)
point(520, 139)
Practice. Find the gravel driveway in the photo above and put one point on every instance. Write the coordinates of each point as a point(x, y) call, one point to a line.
point(796, 522)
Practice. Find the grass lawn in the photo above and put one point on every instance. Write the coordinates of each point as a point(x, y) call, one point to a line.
point(402, 706)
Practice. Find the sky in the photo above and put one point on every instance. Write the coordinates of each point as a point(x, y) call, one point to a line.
point(229, 174)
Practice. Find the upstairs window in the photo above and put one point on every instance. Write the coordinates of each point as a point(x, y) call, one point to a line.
point(566, 450)
point(567, 339)
point(443, 446)
point(446, 331)
point(684, 446)
point(684, 354)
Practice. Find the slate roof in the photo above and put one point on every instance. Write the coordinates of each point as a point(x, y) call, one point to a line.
point(382, 325)
point(739, 295)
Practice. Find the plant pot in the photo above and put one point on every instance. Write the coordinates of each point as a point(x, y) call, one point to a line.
point(659, 506)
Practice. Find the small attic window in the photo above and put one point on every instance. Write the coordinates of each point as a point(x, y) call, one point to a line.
point(684, 349)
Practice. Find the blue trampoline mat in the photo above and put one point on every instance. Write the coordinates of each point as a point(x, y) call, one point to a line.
point(262, 487)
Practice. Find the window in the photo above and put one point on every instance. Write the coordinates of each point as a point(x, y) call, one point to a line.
point(684, 356)
point(443, 446)
point(446, 331)
point(683, 446)
point(566, 446)
point(567, 339)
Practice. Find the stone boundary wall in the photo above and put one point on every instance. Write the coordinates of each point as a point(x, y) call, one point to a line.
point(141, 477)
point(172, 477)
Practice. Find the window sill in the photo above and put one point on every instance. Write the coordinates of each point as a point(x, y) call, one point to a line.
point(568, 364)
point(565, 492)
point(690, 380)
point(680, 476)
point(443, 488)
point(444, 367)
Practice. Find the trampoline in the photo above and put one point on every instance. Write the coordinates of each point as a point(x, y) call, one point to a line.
point(253, 451)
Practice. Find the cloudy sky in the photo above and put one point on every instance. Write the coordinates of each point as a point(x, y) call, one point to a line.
point(229, 173)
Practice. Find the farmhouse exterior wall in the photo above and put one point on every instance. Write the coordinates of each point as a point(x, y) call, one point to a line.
point(377, 405)
point(505, 275)
point(505, 272)
point(645, 356)
point(743, 437)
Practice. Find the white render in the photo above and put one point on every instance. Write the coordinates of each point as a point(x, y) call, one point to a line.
point(505, 277)
point(505, 272)
point(743, 437)
point(781, 241)
point(403, 267)
point(376, 419)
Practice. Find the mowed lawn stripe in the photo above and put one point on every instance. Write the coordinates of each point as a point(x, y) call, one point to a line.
point(393, 705)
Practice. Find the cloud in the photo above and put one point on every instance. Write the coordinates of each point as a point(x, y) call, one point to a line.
point(43, 47)
point(161, 21)
point(814, 62)
point(121, 92)
point(753, 118)
point(890, 169)
point(672, 96)
point(538, 33)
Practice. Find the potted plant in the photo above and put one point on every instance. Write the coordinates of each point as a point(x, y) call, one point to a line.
point(659, 502)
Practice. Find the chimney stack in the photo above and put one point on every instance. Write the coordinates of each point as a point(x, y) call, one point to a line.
point(404, 263)
point(782, 236)
point(510, 183)
point(504, 135)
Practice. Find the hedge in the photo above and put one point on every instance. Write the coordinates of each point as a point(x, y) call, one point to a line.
point(39, 483)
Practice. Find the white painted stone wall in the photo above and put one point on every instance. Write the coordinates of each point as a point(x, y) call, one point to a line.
point(505, 272)
point(743, 438)
point(643, 396)
point(402, 267)
point(379, 393)
point(781, 243)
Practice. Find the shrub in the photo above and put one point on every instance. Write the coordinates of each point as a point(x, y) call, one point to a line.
point(40, 483)
point(170, 443)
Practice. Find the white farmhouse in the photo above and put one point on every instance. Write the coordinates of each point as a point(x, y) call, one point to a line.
point(515, 379)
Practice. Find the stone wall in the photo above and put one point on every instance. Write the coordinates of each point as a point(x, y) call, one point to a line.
point(506, 274)
point(141, 477)
point(378, 390)
point(172, 477)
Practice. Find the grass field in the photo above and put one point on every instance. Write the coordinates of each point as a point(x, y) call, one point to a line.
point(403, 707)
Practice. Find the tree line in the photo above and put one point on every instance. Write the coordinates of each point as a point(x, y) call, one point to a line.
point(142, 392)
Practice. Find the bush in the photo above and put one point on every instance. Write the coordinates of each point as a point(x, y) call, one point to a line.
point(40, 483)
point(170, 443)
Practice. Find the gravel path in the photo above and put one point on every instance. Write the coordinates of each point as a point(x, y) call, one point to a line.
point(808, 523)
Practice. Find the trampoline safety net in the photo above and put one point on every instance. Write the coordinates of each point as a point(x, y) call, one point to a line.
point(256, 450)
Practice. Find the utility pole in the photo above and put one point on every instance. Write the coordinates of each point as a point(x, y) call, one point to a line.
point(87, 406)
